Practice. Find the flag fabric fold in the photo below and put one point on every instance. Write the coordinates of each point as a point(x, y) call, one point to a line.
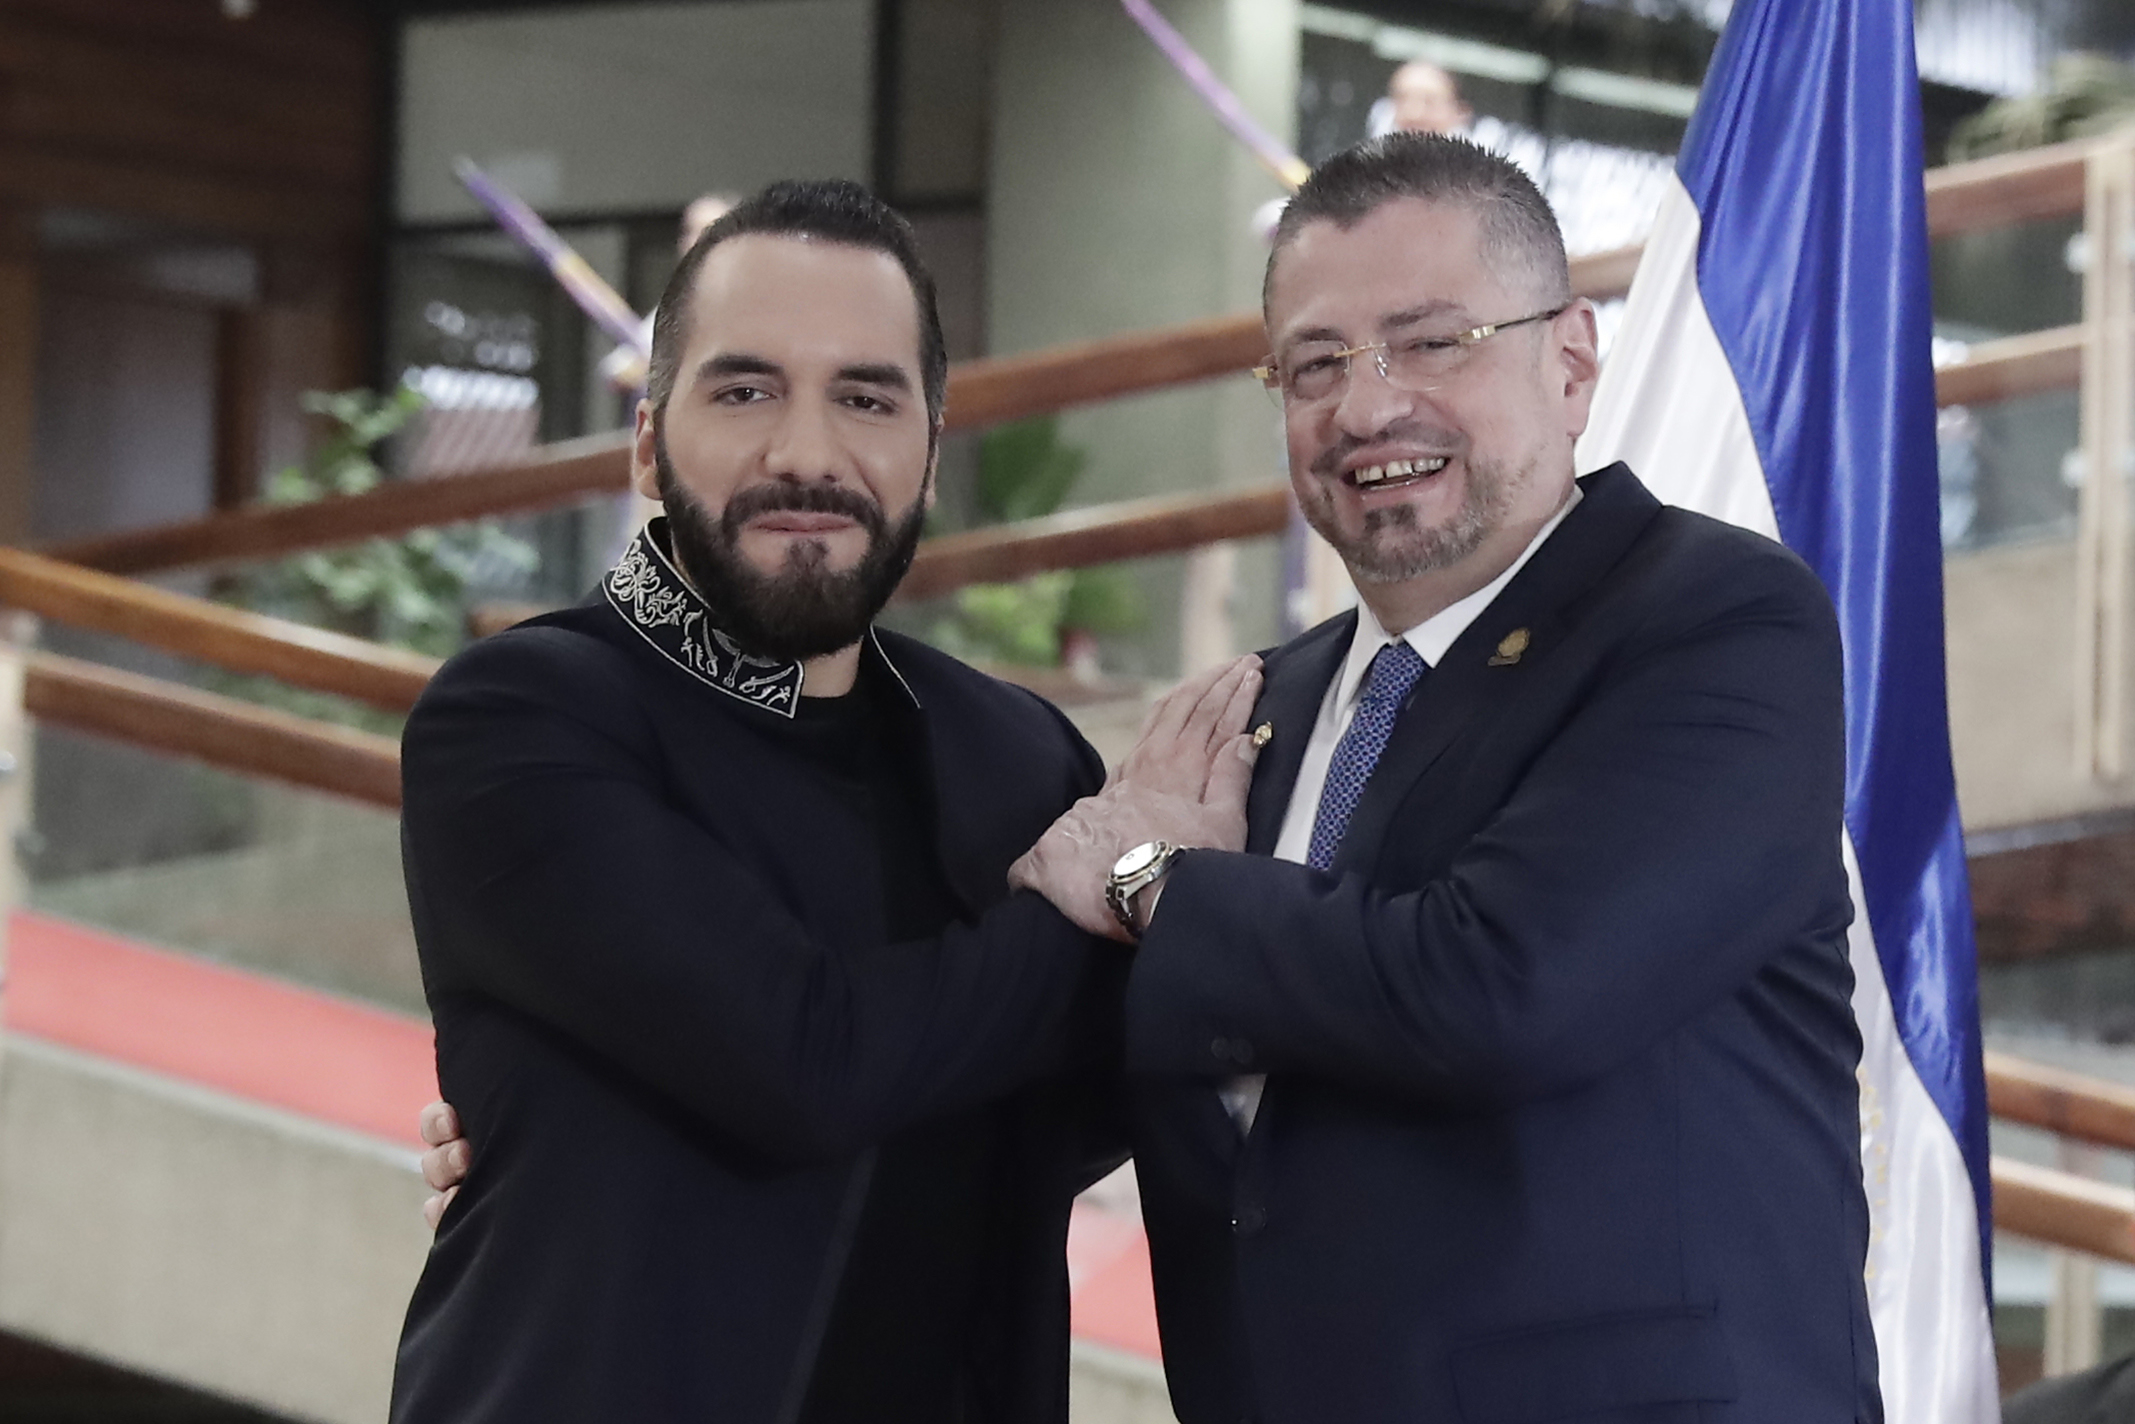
point(1773, 369)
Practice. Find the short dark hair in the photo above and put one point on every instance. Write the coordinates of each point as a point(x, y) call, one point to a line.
point(829, 210)
point(1519, 231)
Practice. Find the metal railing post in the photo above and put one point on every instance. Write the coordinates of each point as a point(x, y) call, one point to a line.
point(2073, 1318)
point(1208, 623)
point(2075, 1321)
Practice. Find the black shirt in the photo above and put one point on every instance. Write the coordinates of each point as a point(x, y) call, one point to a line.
point(894, 1347)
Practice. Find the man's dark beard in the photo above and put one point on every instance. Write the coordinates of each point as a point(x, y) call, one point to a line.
point(804, 610)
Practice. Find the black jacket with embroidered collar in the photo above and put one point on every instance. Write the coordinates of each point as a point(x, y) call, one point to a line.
point(661, 607)
point(652, 943)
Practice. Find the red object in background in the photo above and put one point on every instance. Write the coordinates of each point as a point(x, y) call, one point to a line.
point(1108, 1280)
point(368, 1069)
point(309, 1052)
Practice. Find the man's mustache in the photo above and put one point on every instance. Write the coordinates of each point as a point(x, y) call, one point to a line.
point(788, 498)
point(1410, 432)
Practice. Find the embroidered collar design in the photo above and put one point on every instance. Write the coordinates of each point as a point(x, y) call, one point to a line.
point(645, 588)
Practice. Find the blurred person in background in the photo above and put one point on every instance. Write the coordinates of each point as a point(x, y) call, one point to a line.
point(1420, 97)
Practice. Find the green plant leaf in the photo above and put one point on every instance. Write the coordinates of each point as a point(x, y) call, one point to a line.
point(1026, 470)
point(1104, 600)
point(1010, 622)
point(408, 591)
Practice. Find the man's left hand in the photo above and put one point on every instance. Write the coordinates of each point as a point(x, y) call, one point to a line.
point(1184, 782)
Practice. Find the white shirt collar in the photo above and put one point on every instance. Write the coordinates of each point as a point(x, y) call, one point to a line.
point(1437, 633)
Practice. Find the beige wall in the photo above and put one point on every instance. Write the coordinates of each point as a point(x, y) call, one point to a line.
point(644, 106)
point(1118, 203)
point(245, 1251)
point(194, 1237)
point(2011, 618)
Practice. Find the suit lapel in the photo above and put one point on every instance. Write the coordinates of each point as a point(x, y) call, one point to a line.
point(1488, 664)
point(1294, 686)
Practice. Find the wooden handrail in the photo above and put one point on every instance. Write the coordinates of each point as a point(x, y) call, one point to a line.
point(2056, 1207)
point(385, 677)
point(2012, 366)
point(981, 393)
point(221, 731)
point(211, 633)
point(2008, 188)
point(999, 389)
point(1995, 370)
point(1136, 528)
point(1988, 192)
point(2064, 1210)
point(548, 477)
point(2071, 1104)
point(1167, 524)
point(2045, 1205)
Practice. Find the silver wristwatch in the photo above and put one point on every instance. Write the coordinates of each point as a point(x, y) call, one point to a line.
point(1133, 873)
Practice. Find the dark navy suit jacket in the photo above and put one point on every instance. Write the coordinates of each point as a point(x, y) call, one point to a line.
point(1561, 1119)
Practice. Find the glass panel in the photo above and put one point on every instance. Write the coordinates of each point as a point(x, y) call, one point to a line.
point(154, 849)
point(2079, 1008)
point(2023, 1282)
point(2004, 280)
point(489, 336)
point(2006, 472)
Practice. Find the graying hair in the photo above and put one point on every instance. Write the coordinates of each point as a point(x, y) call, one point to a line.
point(1519, 231)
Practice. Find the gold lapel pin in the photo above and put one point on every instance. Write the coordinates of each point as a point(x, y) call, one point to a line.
point(1511, 647)
point(1263, 734)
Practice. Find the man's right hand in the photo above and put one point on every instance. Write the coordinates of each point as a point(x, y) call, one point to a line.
point(445, 1164)
point(1193, 744)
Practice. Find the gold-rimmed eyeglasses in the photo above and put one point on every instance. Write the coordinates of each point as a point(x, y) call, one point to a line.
point(1410, 363)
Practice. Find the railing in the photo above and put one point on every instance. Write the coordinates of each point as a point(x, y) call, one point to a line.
point(212, 633)
point(2085, 1219)
point(2060, 1207)
point(66, 587)
point(2046, 182)
point(220, 731)
point(2056, 1207)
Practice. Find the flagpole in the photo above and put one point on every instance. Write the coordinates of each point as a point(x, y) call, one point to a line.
point(1230, 111)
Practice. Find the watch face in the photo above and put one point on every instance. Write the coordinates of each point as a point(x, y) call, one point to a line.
point(1135, 861)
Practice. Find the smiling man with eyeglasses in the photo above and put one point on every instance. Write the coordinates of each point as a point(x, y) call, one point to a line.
point(1507, 1075)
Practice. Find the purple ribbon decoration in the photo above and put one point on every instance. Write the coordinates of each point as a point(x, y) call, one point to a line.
point(580, 282)
point(1217, 95)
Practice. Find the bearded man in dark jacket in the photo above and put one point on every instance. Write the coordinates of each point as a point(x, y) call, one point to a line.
point(778, 1096)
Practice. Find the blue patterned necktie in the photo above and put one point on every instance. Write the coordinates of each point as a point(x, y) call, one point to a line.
point(1393, 674)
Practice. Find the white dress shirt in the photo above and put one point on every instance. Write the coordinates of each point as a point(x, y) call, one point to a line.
point(1430, 638)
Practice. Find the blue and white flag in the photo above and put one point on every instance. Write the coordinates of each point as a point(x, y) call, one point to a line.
point(1773, 369)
